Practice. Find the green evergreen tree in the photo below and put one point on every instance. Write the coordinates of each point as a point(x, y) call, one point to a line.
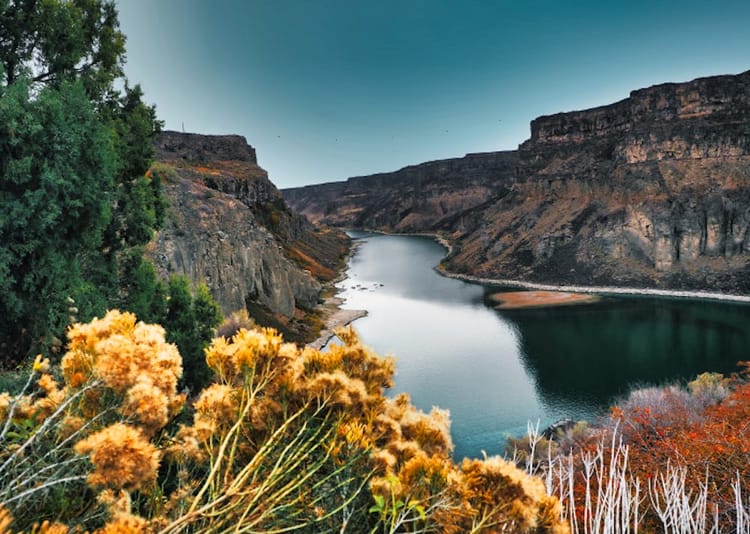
point(138, 207)
point(56, 179)
point(143, 293)
point(180, 319)
point(191, 322)
point(76, 206)
point(51, 41)
point(208, 316)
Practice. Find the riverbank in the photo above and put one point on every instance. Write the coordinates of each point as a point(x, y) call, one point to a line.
point(333, 316)
point(595, 290)
point(531, 364)
point(335, 319)
point(598, 290)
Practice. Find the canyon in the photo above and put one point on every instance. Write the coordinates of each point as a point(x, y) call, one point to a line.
point(651, 191)
point(228, 226)
point(414, 199)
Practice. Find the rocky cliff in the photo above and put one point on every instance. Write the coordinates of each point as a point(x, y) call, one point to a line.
point(419, 198)
point(651, 191)
point(228, 226)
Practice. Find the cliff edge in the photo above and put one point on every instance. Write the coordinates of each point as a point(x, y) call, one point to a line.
point(229, 227)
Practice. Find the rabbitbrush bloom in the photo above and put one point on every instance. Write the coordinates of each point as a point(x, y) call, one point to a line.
point(122, 457)
point(130, 359)
point(118, 351)
point(148, 405)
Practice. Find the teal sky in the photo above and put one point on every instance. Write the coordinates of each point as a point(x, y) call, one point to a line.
point(328, 89)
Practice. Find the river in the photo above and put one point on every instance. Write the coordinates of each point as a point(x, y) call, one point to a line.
point(498, 370)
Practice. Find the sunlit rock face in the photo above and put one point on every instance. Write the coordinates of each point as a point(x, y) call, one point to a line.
point(653, 190)
point(228, 226)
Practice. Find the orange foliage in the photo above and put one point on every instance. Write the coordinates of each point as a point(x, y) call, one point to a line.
point(318, 270)
point(711, 441)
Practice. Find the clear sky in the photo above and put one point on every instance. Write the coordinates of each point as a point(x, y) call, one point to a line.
point(328, 89)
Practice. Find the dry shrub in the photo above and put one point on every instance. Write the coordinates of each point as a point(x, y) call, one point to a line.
point(669, 459)
point(122, 458)
point(234, 323)
point(96, 429)
point(284, 439)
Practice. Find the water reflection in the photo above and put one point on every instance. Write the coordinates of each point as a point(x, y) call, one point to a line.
point(589, 354)
point(404, 266)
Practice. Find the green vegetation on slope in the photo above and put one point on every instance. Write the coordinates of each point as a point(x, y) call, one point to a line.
point(75, 204)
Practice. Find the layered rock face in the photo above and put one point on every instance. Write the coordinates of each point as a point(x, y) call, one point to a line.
point(172, 146)
point(229, 227)
point(418, 198)
point(651, 191)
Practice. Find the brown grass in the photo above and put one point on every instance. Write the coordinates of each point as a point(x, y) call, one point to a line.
point(319, 271)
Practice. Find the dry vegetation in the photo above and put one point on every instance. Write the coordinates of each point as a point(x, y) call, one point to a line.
point(669, 459)
point(283, 440)
point(287, 439)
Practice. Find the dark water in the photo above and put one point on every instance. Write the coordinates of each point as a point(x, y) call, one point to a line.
point(495, 371)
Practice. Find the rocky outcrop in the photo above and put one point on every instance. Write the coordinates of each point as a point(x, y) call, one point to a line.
point(229, 227)
point(651, 191)
point(176, 146)
point(418, 198)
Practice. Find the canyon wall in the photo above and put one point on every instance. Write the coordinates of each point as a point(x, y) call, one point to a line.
point(652, 191)
point(419, 198)
point(229, 227)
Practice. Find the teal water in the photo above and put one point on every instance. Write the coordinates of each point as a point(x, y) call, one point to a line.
point(496, 371)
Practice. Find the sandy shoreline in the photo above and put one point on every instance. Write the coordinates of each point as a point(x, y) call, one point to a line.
point(335, 316)
point(516, 300)
point(337, 319)
point(600, 290)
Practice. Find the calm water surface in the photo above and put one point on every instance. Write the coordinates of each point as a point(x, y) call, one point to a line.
point(495, 371)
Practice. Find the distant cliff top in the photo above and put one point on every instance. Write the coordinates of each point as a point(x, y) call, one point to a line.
point(170, 145)
point(723, 99)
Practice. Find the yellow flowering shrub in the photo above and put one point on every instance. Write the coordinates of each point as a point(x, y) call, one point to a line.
point(124, 524)
point(215, 411)
point(45, 527)
point(147, 405)
point(500, 495)
point(93, 429)
point(132, 362)
point(283, 439)
point(5, 400)
point(267, 397)
point(122, 457)
point(5, 520)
